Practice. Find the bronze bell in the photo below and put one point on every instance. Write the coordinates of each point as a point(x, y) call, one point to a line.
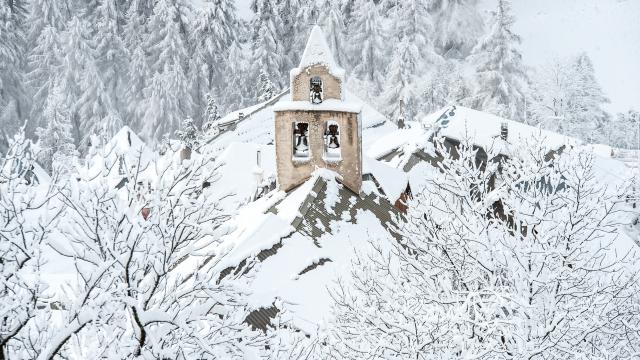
point(333, 137)
point(302, 143)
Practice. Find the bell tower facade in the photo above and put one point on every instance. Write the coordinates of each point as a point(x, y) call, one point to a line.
point(318, 128)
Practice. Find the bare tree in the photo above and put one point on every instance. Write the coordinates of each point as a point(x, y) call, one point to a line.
point(26, 221)
point(142, 288)
point(516, 263)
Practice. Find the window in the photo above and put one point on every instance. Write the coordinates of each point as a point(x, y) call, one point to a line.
point(315, 90)
point(301, 140)
point(332, 141)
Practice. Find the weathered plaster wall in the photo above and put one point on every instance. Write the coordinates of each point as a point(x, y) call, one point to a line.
point(292, 173)
point(301, 84)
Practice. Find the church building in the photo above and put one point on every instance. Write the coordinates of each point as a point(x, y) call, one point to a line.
point(318, 128)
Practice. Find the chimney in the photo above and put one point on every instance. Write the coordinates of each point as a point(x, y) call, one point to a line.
point(258, 172)
point(401, 116)
point(504, 131)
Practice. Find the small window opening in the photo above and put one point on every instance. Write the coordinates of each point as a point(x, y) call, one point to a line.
point(332, 141)
point(301, 140)
point(315, 92)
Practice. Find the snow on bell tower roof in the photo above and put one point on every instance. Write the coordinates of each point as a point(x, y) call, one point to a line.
point(317, 52)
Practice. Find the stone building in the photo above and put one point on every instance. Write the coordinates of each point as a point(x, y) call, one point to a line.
point(318, 128)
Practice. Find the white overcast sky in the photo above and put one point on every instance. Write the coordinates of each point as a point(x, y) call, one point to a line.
point(608, 30)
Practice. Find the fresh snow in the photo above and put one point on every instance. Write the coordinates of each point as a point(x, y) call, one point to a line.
point(317, 52)
point(483, 129)
point(326, 105)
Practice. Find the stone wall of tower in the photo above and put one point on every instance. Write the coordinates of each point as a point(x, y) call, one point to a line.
point(332, 86)
point(293, 172)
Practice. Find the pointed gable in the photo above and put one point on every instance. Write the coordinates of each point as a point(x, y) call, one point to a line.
point(317, 54)
point(317, 51)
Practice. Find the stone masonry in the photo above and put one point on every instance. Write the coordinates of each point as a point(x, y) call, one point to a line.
point(300, 85)
point(292, 172)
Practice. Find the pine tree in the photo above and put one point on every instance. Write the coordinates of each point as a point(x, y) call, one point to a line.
point(238, 91)
point(398, 85)
point(167, 96)
point(567, 98)
point(80, 88)
point(57, 149)
point(333, 22)
point(445, 86)
point(589, 101)
point(138, 72)
point(13, 97)
point(45, 64)
point(265, 88)
point(366, 41)
point(413, 52)
point(501, 77)
point(458, 27)
point(188, 134)
point(267, 49)
point(215, 29)
point(111, 54)
point(211, 115)
point(43, 13)
point(287, 26)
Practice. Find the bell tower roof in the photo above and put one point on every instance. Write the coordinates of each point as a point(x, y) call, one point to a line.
point(317, 52)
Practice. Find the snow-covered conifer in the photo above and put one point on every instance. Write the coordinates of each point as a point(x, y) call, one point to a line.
point(45, 64)
point(55, 140)
point(567, 98)
point(458, 26)
point(265, 89)
point(267, 50)
point(111, 54)
point(333, 22)
point(239, 88)
point(212, 114)
point(167, 96)
point(188, 134)
point(215, 28)
point(398, 84)
point(413, 51)
point(367, 48)
point(13, 98)
point(590, 100)
point(501, 77)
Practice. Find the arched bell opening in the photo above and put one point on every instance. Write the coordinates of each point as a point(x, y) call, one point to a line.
point(316, 90)
point(301, 148)
point(332, 148)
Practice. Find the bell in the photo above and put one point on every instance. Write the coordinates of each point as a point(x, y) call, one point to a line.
point(302, 144)
point(333, 142)
point(317, 97)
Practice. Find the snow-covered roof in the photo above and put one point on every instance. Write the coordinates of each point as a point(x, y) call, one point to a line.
point(124, 150)
point(317, 52)
point(392, 180)
point(236, 180)
point(304, 240)
point(258, 124)
point(483, 129)
point(327, 105)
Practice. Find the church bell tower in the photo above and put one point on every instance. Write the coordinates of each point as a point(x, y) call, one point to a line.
point(318, 128)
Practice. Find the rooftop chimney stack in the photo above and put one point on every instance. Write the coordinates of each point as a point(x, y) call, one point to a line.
point(504, 131)
point(401, 116)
